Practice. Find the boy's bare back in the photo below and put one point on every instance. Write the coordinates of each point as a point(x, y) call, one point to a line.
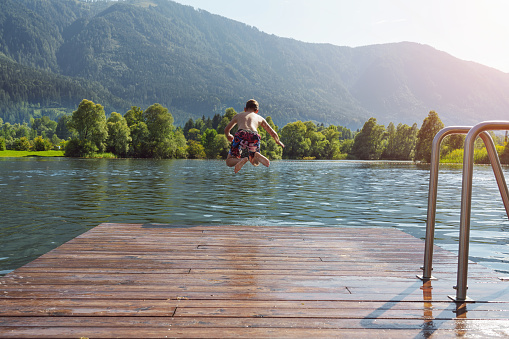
point(248, 120)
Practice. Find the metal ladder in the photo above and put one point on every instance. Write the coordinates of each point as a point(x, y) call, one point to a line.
point(466, 195)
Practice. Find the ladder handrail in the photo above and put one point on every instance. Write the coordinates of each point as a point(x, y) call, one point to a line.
point(466, 198)
point(480, 130)
point(432, 195)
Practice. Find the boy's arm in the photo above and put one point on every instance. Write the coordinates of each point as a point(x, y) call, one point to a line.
point(229, 127)
point(272, 133)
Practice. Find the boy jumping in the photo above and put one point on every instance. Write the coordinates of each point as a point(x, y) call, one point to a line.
point(248, 137)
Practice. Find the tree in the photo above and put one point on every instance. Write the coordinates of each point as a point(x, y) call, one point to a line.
point(430, 127)
point(41, 144)
point(55, 140)
point(139, 146)
point(317, 140)
point(318, 145)
point(133, 116)
point(215, 145)
point(406, 138)
point(216, 120)
point(200, 125)
point(504, 157)
point(346, 133)
point(89, 121)
point(390, 150)
point(346, 146)
point(221, 145)
point(160, 126)
point(119, 134)
point(207, 140)
point(293, 136)
point(7, 131)
point(62, 129)
point(20, 130)
point(370, 141)
point(454, 142)
point(180, 144)
point(227, 117)
point(140, 140)
point(195, 150)
point(79, 148)
point(188, 126)
point(22, 144)
point(194, 134)
point(332, 147)
point(159, 121)
point(44, 127)
point(400, 142)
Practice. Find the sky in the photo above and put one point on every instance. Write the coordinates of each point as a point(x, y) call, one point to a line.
point(472, 30)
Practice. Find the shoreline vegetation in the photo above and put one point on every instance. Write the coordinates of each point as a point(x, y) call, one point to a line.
point(454, 158)
point(23, 154)
point(150, 133)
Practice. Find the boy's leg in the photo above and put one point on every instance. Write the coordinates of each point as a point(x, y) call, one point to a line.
point(254, 162)
point(258, 158)
point(239, 164)
point(232, 161)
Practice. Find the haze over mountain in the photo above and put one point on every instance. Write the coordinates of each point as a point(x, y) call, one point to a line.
point(54, 53)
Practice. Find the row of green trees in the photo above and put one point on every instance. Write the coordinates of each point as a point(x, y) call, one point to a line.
point(151, 133)
point(41, 135)
point(405, 142)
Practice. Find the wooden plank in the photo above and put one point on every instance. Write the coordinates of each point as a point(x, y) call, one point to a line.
point(35, 279)
point(137, 307)
point(134, 280)
point(226, 332)
point(212, 281)
point(259, 321)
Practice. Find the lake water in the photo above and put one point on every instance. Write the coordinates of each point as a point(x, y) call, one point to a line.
point(48, 201)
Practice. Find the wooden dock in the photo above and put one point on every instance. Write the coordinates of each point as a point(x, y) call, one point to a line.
point(158, 281)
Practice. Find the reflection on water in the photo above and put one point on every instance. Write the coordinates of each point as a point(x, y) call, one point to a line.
point(46, 202)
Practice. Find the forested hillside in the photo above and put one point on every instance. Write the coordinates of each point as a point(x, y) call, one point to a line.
point(138, 52)
point(25, 90)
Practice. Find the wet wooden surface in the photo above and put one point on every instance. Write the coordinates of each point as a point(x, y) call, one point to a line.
point(157, 281)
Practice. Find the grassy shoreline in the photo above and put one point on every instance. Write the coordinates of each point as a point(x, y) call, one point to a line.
point(21, 154)
point(49, 154)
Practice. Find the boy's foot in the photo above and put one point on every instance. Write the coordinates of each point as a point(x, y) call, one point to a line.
point(241, 163)
point(262, 159)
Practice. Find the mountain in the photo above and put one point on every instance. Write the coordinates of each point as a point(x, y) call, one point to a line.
point(139, 52)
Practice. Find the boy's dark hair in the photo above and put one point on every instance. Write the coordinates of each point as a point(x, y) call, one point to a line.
point(252, 104)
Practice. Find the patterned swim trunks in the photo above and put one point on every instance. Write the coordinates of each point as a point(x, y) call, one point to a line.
point(245, 139)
